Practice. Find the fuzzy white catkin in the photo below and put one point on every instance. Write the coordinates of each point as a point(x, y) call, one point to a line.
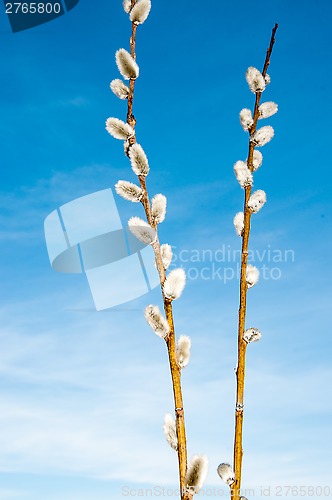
point(246, 118)
point(140, 11)
point(183, 350)
point(119, 129)
point(129, 191)
point(238, 222)
point(174, 284)
point(257, 200)
point(142, 230)
point(119, 88)
point(243, 498)
point(126, 64)
point(267, 109)
point(255, 80)
point(127, 5)
point(267, 79)
point(138, 160)
point(170, 431)
point(252, 275)
point(243, 174)
point(257, 160)
point(166, 254)
point(226, 473)
point(262, 136)
point(196, 473)
point(156, 321)
point(158, 208)
point(252, 335)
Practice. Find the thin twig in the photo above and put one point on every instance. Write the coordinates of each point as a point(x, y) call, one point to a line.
point(240, 371)
point(170, 340)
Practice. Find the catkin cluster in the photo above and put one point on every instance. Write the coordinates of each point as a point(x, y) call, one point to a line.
point(254, 201)
point(173, 281)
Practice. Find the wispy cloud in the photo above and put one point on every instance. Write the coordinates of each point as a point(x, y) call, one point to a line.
point(23, 211)
point(76, 102)
point(6, 494)
point(89, 399)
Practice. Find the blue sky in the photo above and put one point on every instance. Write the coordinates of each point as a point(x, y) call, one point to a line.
point(83, 394)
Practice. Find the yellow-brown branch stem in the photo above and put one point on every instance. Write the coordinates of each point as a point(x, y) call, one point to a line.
point(242, 345)
point(170, 340)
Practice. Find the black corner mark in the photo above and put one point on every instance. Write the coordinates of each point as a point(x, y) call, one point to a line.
point(26, 15)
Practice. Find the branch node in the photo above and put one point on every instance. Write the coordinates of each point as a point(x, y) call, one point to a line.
point(179, 412)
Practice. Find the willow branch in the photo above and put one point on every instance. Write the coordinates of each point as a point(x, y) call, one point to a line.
point(170, 340)
point(240, 371)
